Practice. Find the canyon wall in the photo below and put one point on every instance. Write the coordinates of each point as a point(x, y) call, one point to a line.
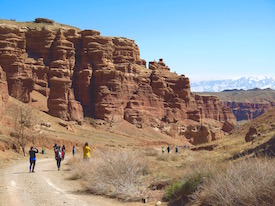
point(248, 111)
point(85, 74)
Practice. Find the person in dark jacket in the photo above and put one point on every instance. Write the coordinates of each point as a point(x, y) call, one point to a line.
point(32, 153)
point(59, 156)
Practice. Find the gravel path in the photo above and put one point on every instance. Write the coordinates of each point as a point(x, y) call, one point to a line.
point(46, 187)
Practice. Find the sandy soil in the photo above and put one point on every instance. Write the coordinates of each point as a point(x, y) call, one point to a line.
point(47, 186)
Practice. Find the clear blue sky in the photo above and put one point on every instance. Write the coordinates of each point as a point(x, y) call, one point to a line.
point(203, 39)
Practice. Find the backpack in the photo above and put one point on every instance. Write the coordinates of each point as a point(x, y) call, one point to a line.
point(59, 154)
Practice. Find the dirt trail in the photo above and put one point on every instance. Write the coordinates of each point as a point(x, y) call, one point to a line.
point(46, 187)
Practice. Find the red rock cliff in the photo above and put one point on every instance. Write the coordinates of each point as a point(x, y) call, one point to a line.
point(4, 94)
point(83, 73)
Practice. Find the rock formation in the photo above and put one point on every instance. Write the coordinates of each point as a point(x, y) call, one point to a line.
point(4, 94)
point(83, 73)
point(248, 111)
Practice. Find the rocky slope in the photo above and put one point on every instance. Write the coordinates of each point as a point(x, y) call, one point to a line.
point(85, 74)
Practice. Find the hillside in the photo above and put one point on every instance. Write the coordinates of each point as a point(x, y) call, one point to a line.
point(234, 146)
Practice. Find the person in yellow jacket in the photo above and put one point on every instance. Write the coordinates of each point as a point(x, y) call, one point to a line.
point(86, 151)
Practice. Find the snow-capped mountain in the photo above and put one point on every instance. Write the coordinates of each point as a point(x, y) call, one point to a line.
point(244, 83)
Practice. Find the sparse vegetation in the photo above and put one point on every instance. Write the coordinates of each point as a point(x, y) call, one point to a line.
point(114, 173)
point(24, 122)
point(189, 183)
point(249, 182)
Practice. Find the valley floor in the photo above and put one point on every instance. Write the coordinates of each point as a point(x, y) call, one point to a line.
point(46, 187)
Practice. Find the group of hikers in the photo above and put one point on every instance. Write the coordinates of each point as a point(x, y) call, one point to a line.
point(59, 152)
point(169, 149)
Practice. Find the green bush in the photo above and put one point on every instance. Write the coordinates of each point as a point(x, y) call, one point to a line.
point(185, 186)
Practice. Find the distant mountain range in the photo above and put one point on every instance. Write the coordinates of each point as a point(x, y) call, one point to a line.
point(244, 83)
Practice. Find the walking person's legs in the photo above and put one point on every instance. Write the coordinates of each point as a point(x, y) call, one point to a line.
point(33, 165)
point(58, 163)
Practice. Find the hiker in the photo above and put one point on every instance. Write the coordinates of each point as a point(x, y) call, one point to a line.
point(168, 149)
point(86, 151)
point(58, 156)
point(176, 149)
point(63, 152)
point(74, 150)
point(162, 150)
point(32, 153)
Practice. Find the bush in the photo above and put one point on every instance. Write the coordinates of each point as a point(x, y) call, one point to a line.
point(249, 182)
point(174, 190)
point(185, 186)
point(114, 173)
point(190, 182)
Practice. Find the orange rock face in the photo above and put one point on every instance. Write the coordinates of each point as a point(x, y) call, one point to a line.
point(4, 94)
point(83, 73)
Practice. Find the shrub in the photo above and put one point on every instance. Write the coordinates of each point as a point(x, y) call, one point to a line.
point(114, 173)
point(174, 190)
point(249, 182)
point(188, 184)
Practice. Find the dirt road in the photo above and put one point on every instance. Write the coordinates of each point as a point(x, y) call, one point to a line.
point(46, 187)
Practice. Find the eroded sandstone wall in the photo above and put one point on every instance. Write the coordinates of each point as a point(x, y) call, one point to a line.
point(4, 94)
point(83, 73)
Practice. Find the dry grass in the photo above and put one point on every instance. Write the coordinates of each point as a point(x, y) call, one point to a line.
point(249, 182)
point(113, 173)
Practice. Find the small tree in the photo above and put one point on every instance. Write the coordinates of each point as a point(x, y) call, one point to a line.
point(24, 122)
